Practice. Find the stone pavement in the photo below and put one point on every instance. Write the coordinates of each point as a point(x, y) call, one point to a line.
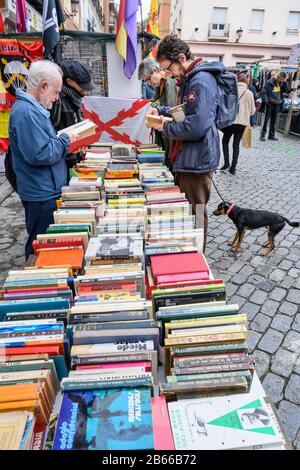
point(266, 288)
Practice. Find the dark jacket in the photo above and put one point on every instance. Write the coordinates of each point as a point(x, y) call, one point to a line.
point(66, 112)
point(268, 91)
point(38, 155)
point(200, 148)
point(166, 94)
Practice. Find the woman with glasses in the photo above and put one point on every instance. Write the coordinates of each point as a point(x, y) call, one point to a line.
point(165, 95)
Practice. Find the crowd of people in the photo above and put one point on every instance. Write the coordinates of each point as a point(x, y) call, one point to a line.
point(52, 102)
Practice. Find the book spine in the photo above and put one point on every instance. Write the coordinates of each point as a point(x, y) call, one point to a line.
point(202, 361)
point(80, 360)
point(209, 376)
point(218, 338)
point(96, 385)
point(209, 349)
point(204, 385)
point(213, 368)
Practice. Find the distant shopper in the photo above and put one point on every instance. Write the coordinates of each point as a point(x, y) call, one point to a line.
point(272, 98)
point(165, 95)
point(148, 91)
point(246, 109)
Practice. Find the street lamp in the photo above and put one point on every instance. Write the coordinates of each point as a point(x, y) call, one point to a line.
point(239, 33)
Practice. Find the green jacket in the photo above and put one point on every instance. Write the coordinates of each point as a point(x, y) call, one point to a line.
point(167, 94)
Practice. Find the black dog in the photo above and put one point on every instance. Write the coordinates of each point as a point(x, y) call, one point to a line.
point(249, 219)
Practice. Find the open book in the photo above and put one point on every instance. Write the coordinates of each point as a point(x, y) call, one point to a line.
point(86, 132)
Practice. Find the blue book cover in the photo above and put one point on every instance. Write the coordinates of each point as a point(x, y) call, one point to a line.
point(115, 419)
point(32, 305)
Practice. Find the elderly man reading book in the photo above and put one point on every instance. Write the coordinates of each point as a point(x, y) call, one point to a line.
point(38, 154)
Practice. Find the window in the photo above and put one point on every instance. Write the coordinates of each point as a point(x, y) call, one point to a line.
point(219, 18)
point(293, 21)
point(219, 21)
point(257, 19)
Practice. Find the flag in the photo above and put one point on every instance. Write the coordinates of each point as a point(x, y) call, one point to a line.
point(126, 37)
point(152, 25)
point(53, 18)
point(21, 14)
point(2, 25)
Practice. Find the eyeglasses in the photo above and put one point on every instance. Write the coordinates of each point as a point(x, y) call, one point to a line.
point(167, 69)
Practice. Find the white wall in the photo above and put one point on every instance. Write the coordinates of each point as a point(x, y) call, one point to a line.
point(118, 84)
point(198, 14)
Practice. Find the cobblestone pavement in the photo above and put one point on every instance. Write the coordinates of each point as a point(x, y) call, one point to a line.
point(266, 288)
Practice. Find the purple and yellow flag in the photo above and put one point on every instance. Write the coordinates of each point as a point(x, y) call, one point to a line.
point(126, 40)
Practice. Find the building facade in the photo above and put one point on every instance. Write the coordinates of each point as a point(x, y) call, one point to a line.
point(110, 12)
point(236, 31)
point(8, 9)
point(91, 16)
point(164, 11)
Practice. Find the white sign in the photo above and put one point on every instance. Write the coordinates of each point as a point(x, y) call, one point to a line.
point(118, 84)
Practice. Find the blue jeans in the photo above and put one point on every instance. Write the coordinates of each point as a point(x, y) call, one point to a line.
point(38, 216)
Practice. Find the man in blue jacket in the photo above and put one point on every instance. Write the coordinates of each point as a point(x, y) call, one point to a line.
point(38, 154)
point(196, 152)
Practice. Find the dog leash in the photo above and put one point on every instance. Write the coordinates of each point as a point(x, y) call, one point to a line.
point(218, 190)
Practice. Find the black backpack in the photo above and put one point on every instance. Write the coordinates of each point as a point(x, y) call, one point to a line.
point(9, 170)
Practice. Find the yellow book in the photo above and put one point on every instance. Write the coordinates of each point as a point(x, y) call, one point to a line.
point(209, 339)
point(209, 331)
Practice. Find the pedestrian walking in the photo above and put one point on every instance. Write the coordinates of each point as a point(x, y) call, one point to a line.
point(246, 109)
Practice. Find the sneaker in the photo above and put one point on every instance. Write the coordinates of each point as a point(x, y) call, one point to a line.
point(224, 167)
point(232, 171)
point(262, 139)
point(272, 138)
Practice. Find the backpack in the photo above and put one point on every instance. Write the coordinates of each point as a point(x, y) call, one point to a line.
point(9, 170)
point(228, 106)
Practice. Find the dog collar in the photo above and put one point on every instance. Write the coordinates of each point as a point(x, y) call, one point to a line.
point(230, 209)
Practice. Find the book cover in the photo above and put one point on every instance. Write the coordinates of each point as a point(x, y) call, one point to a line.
point(217, 423)
point(163, 438)
point(124, 414)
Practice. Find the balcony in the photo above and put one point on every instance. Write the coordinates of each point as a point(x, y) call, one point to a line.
point(218, 31)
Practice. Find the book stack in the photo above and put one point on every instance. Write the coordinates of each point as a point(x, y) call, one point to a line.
point(20, 431)
point(154, 175)
point(93, 164)
point(32, 362)
point(152, 155)
point(35, 294)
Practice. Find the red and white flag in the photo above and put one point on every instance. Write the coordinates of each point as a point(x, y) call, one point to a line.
point(120, 120)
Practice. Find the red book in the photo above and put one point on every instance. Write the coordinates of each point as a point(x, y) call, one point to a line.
point(63, 242)
point(18, 351)
point(117, 365)
point(179, 263)
point(162, 431)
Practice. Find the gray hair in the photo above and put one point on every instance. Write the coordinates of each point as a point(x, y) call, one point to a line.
point(42, 70)
point(147, 67)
